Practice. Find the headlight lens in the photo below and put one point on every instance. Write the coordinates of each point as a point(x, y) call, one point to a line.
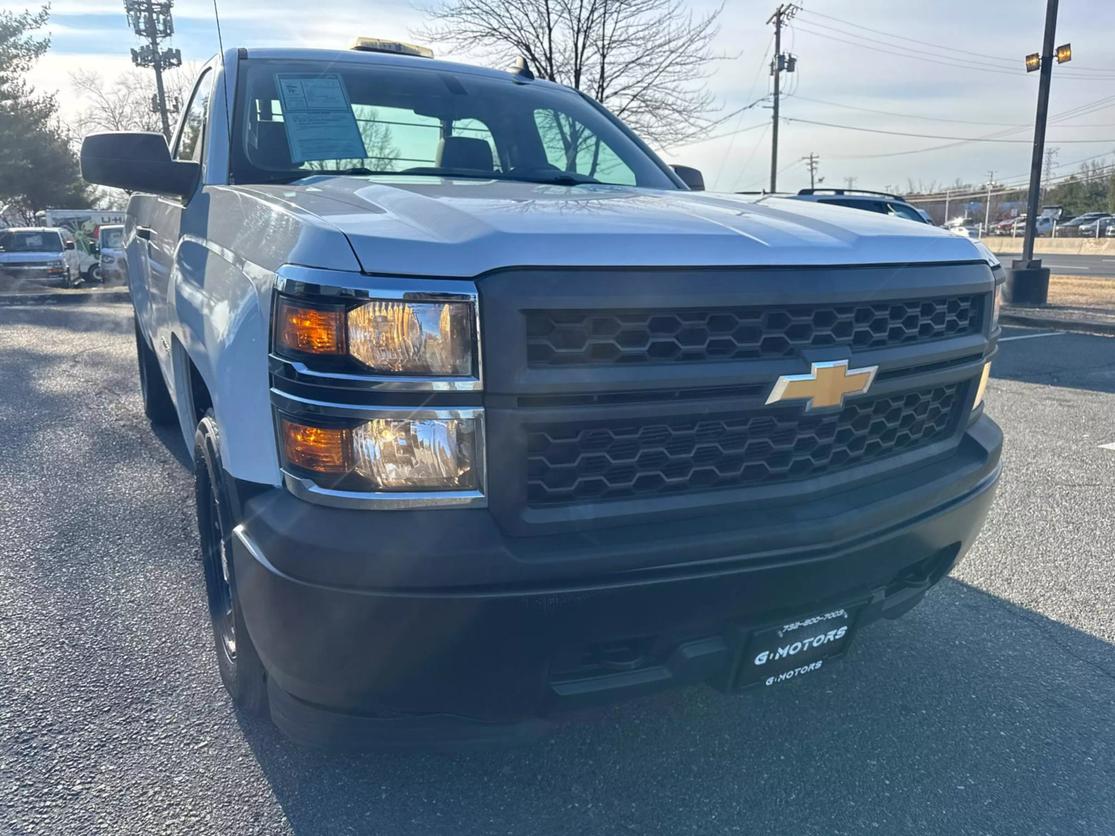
point(403, 454)
point(421, 338)
point(388, 454)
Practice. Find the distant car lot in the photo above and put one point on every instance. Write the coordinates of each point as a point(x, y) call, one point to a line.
point(985, 710)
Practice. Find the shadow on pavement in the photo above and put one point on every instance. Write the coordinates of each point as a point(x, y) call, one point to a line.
point(1074, 361)
point(968, 715)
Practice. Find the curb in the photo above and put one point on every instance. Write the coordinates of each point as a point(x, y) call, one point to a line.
point(1076, 326)
point(72, 297)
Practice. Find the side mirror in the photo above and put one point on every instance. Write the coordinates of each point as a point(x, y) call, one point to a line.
point(69, 245)
point(137, 162)
point(691, 177)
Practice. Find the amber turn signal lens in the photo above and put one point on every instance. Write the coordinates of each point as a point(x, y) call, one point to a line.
point(318, 449)
point(309, 330)
point(982, 389)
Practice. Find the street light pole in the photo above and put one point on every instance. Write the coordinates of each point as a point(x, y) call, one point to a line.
point(1028, 281)
point(1039, 128)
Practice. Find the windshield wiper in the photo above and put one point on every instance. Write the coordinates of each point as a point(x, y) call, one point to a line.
point(564, 179)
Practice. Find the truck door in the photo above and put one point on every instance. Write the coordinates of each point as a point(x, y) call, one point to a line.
point(163, 227)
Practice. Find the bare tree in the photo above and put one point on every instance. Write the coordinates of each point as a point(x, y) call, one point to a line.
point(125, 103)
point(648, 61)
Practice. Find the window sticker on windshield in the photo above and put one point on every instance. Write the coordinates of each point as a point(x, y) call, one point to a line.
point(320, 124)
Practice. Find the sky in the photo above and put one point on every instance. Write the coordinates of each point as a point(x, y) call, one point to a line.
point(944, 71)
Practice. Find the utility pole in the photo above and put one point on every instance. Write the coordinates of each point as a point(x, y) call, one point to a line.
point(948, 194)
point(812, 161)
point(782, 15)
point(851, 182)
point(151, 19)
point(987, 209)
point(1050, 156)
point(1027, 280)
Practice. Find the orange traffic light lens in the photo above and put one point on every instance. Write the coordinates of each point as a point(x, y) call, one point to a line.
point(309, 330)
point(317, 449)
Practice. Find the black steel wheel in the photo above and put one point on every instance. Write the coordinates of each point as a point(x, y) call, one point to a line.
point(240, 667)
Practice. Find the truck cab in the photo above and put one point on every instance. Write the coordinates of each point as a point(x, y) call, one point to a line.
point(494, 419)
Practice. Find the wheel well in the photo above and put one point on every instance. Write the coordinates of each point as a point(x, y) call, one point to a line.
point(200, 399)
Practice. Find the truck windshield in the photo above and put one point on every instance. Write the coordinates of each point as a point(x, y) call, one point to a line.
point(30, 242)
point(305, 117)
point(112, 237)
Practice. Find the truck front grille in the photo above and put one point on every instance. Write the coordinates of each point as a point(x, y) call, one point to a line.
point(608, 460)
point(608, 337)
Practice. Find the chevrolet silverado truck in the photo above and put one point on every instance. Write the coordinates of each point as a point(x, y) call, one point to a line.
point(494, 419)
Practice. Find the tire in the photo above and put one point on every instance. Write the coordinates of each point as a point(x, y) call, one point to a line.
point(241, 670)
point(157, 405)
point(93, 274)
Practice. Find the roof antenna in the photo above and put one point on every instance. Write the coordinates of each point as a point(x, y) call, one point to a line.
point(520, 68)
point(224, 74)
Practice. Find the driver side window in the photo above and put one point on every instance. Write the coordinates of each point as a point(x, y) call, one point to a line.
point(572, 147)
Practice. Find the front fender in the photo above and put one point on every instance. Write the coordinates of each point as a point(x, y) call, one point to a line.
point(219, 305)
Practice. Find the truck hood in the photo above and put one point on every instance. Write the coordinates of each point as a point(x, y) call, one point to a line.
point(462, 228)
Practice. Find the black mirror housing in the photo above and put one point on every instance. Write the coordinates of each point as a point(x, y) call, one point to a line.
point(69, 245)
point(692, 177)
point(137, 162)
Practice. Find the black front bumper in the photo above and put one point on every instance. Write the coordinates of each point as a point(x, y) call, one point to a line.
point(359, 642)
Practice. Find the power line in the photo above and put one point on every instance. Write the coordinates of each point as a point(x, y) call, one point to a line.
point(932, 136)
point(733, 132)
point(908, 115)
point(1003, 61)
point(902, 51)
point(938, 61)
point(812, 13)
point(1004, 189)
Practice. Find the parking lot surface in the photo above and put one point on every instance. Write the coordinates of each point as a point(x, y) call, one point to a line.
point(990, 708)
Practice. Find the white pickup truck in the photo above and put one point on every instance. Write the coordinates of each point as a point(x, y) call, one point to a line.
point(493, 417)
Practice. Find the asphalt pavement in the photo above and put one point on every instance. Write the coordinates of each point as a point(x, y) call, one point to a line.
point(1099, 266)
point(990, 708)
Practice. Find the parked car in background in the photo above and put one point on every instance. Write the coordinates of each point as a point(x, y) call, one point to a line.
point(1074, 228)
point(110, 242)
point(82, 226)
point(965, 227)
point(869, 201)
point(35, 254)
point(1005, 226)
point(1097, 227)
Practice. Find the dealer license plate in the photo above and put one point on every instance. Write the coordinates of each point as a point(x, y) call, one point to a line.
point(777, 654)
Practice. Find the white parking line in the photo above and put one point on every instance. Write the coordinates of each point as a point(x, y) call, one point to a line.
point(1110, 446)
point(1030, 336)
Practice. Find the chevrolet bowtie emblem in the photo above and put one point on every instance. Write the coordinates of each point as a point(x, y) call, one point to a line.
point(826, 385)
